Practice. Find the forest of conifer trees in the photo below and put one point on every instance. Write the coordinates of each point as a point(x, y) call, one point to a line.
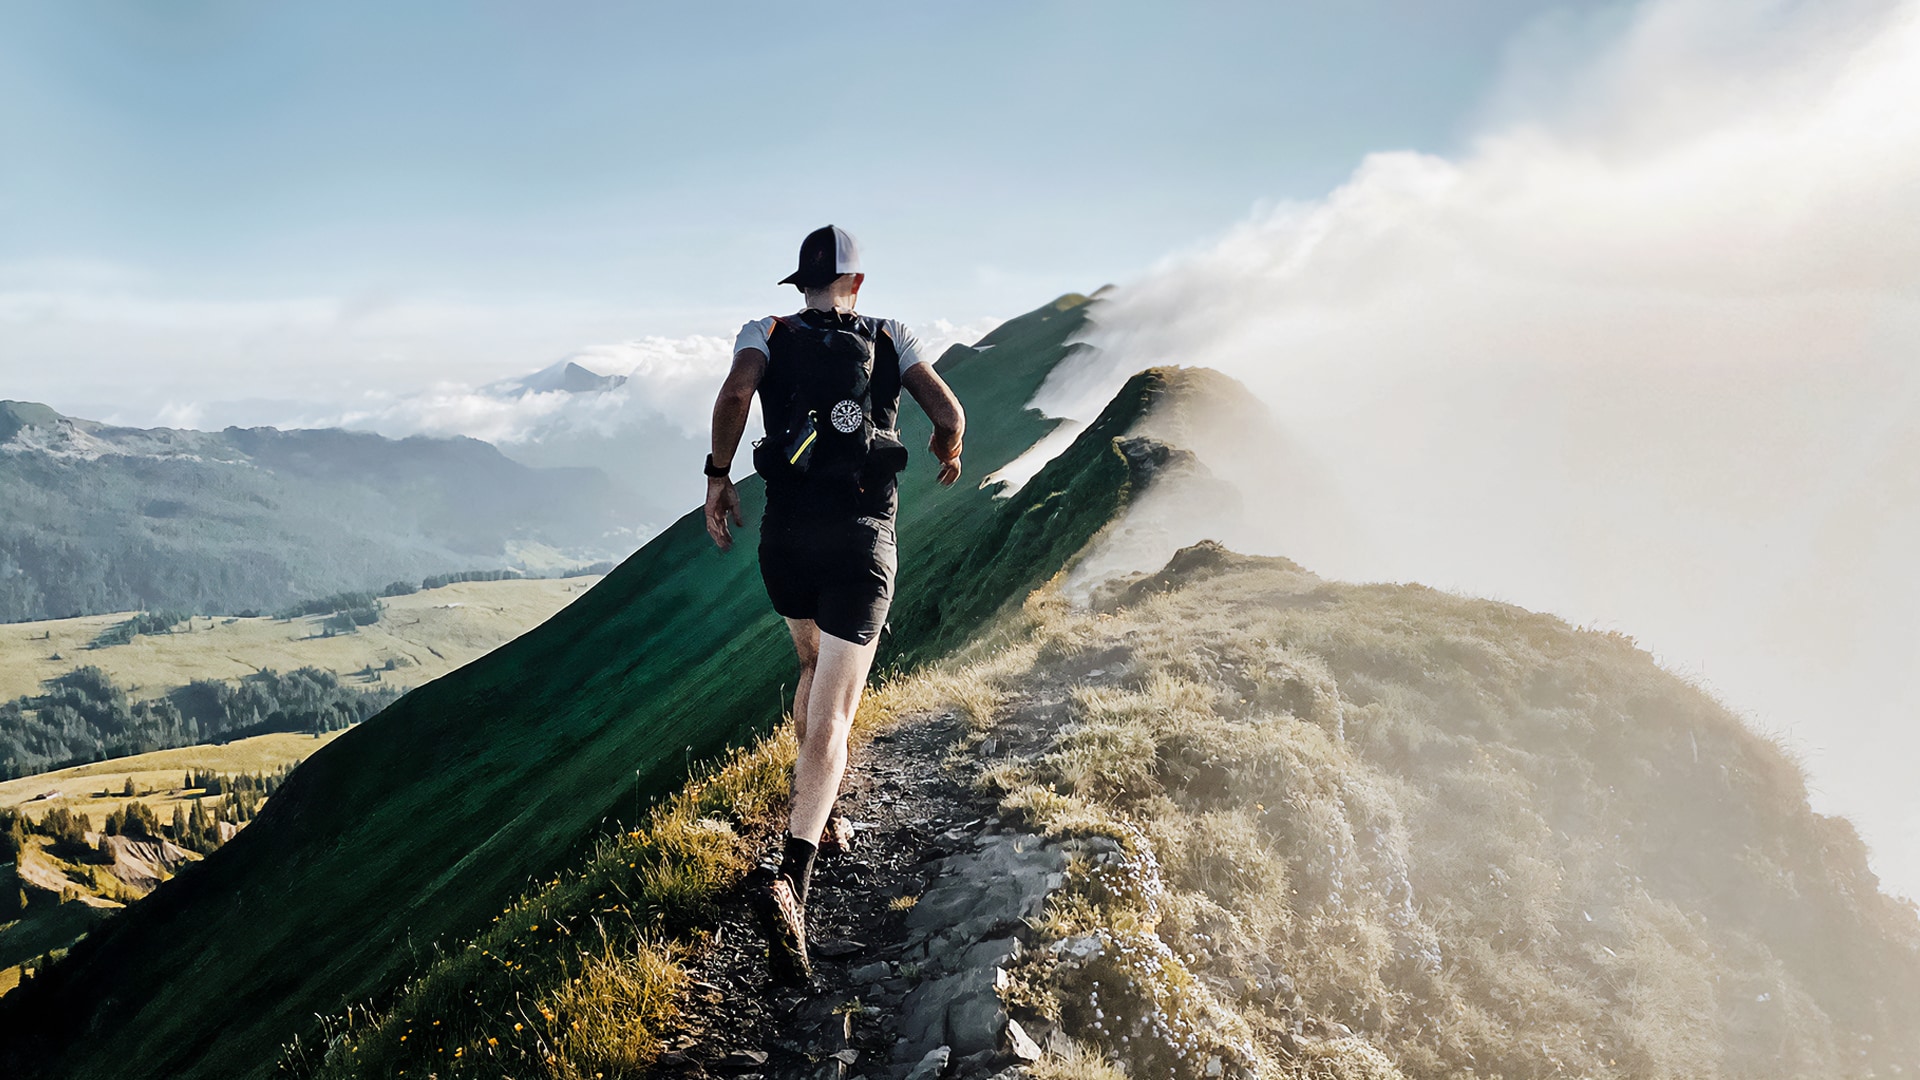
point(83, 716)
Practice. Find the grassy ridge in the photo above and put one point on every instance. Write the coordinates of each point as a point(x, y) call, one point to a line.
point(418, 825)
point(1488, 843)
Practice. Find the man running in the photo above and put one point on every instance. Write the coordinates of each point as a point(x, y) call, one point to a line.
point(829, 382)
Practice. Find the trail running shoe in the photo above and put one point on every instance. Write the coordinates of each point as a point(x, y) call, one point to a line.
point(838, 836)
point(784, 922)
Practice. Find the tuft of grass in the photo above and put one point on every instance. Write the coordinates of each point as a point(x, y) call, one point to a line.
point(1076, 1062)
point(976, 687)
point(1055, 815)
point(607, 1019)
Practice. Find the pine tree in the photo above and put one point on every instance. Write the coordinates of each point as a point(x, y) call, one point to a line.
point(129, 792)
point(200, 829)
point(15, 840)
point(180, 825)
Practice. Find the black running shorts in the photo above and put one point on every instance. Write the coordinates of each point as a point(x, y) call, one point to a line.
point(836, 571)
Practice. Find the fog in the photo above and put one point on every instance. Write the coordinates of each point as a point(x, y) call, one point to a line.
point(1643, 355)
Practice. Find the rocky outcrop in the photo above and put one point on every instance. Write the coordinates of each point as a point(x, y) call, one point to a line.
point(142, 862)
point(962, 934)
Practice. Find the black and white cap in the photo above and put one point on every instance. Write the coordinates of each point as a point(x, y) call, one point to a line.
point(825, 254)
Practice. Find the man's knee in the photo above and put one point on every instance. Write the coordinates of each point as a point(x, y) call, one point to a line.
point(825, 732)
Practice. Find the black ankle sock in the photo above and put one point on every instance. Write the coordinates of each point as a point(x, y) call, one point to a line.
point(796, 865)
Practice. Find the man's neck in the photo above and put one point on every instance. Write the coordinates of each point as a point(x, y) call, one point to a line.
point(836, 302)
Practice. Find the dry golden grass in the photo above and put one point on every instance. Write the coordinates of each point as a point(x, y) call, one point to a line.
point(97, 789)
point(1076, 1063)
point(1414, 805)
point(608, 1019)
point(426, 634)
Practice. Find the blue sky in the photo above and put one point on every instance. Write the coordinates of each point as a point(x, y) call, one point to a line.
point(650, 167)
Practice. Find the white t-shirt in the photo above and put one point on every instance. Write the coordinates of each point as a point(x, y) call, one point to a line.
point(754, 336)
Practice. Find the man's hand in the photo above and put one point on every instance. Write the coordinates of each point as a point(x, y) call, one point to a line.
point(723, 506)
point(729, 420)
point(949, 420)
point(947, 450)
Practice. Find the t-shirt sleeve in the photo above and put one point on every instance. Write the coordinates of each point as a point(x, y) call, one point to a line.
point(906, 345)
point(754, 336)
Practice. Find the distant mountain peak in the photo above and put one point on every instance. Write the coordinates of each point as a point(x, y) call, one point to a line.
point(17, 415)
point(565, 376)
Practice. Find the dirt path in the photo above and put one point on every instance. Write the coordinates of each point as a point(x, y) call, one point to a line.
point(908, 932)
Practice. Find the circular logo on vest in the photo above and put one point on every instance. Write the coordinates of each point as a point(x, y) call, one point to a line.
point(846, 417)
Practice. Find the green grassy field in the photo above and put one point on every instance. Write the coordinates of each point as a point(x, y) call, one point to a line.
point(416, 826)
point(425, 634)
point(97, 789)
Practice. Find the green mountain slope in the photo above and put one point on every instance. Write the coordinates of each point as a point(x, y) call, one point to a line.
point(101, 518)
point(418, 825)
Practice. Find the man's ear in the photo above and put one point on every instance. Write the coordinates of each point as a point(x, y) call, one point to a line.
point(858, 280)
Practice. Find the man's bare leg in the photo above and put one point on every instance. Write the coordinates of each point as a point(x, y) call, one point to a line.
point(831, 694)
point(833, 673)
point(806, 644)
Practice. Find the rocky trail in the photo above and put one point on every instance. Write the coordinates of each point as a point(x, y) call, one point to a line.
point(911, 929)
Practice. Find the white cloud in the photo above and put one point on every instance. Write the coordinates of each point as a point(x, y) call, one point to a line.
point(670, 380)
point(93, 338)
point(1644, 356)
point(99, 338)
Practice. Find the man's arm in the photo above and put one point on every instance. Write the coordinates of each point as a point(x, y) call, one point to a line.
point(949, 420)
point(729, 423)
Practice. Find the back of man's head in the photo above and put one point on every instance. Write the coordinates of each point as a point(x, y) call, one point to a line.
point(828, 253)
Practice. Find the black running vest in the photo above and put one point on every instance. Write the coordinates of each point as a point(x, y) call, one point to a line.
point(830, 399)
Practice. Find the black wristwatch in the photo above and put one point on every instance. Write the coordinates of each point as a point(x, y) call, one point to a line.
point(715, 472)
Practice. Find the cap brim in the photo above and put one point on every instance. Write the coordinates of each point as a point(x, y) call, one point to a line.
point(805, 281)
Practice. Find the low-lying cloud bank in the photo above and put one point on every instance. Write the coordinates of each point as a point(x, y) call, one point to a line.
point(670, 382)
point(666, 380)
point(1644, 355)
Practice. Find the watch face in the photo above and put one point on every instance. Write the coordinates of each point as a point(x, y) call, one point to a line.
point(846, 417)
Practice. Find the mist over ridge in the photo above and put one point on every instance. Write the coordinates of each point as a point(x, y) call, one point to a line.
point(1641, 356)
